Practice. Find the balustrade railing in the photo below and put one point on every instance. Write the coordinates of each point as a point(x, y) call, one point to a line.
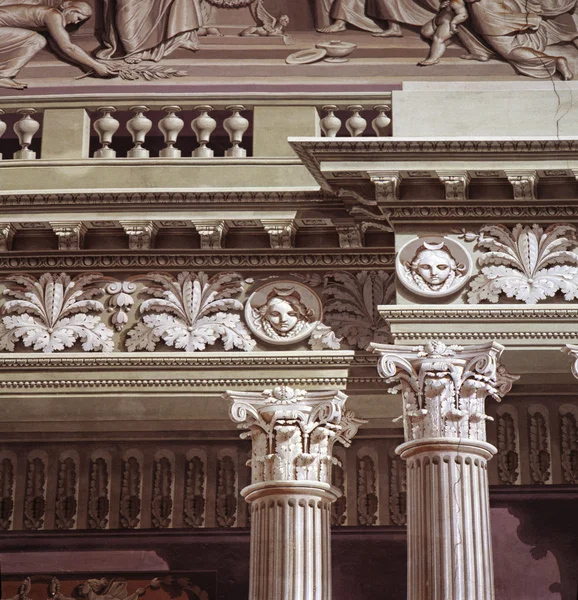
point(179, 128)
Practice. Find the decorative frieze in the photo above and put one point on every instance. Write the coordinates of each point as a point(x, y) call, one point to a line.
point(35, 491)
point(163, 490)
point(195, 490)
point(367, 489)
point(7, 485)
point(508, 444)
point(568, 415)
point(67, 491)
point(227, 490)
point(131, 490)
point(99, 491)
point(539, 437)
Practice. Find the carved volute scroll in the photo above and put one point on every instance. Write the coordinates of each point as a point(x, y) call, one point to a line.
point(444, 388)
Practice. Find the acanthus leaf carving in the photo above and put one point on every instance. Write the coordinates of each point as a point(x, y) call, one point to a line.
point(569, 446)
point(194, 507)
point(528, 263)
point(6, 493)
point(162, 501)
point(130, 493)
point(35, 495)
point(367, 502)
point(66, 494)
point(398, 492)
point(192, 313)
point(443, 387)
point(507, 457)
point(226, 509)
point(350, 305)
point(540, 460)
point(98, 494)
point(51, 313)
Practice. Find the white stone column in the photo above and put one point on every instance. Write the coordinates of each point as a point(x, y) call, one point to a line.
point(293, 432)
point(444, 389)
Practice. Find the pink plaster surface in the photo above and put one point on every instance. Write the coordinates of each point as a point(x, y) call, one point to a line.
point(519, 576)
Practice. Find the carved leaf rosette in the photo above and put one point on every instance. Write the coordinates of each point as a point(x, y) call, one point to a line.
point(444, 387)
point(528, 263)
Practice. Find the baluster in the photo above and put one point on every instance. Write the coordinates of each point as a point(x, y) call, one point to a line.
point(235, 126)
point(170, 127)
point(25, 129)
point(106, 127)
point(203, 126)
point(382, 121)
point(356, 124)
point(330, 124)
point(2, 128)
point(138, 127)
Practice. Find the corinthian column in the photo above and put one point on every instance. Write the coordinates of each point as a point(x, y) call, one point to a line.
point(293, 432)
point(444, 389)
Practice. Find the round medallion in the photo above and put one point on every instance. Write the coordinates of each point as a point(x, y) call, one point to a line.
point(433, 266)
point(283, 312)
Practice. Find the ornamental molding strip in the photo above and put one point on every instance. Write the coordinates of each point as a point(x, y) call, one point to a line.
point(254, 260)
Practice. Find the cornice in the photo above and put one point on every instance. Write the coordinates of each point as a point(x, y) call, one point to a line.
point(176, 360)
point(498, 312)
point(194, 260)
point(178, 198)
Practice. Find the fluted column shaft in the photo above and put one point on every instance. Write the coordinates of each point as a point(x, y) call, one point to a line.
point(293, 432)
point(444, 390)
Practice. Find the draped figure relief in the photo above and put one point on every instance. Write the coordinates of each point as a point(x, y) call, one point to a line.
point(139, 30)
point(343, 13)
point(21, 28)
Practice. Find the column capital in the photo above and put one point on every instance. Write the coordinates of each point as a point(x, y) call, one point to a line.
point(293, 431)
point(444, 387)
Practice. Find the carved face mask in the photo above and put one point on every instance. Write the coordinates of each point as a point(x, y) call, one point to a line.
point(281, 315)
point(434, 267)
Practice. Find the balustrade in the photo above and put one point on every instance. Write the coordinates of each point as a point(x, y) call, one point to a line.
point(173, 130)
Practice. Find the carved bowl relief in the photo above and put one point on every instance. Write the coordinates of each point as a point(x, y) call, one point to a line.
point(283, 312)
point(433, 266)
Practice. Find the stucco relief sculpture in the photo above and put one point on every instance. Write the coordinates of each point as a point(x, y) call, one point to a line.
point(192, 312)
point(334, 16)
point(283, 312)
point(50, 313)
point(266, 25)
point(20, 39)
point(528, 263)
point(433, 266)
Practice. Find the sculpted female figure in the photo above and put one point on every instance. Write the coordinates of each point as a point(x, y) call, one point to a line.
point(20, 40)
point(149, 29)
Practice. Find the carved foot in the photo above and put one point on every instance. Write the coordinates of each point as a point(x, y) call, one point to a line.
point(335, 28)
point(12, 83)
point(428, 62)
point(480, 57)
point(189, 46)
point(563, 68)
point(391, 32)
point(209, 32)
